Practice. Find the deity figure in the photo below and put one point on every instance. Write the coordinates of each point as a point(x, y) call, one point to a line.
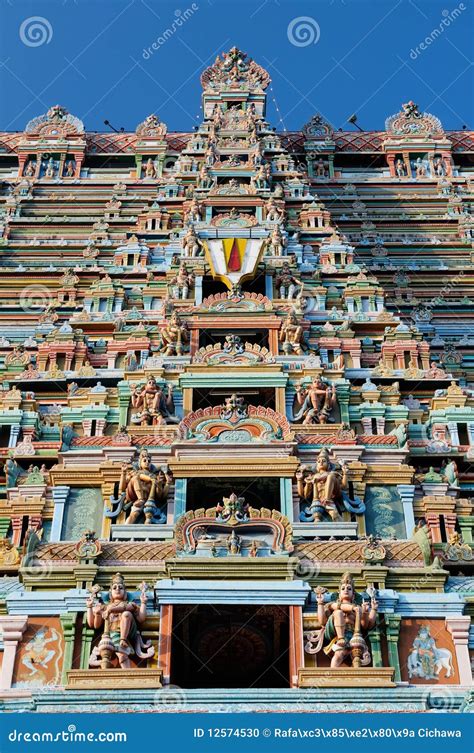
point(30, 169)
point(291, 335)
point(439, 167)
point(142, 488)
point(152, 406)
point(420, 169)
point(205, 179)
point(193, 213)
point(324, 487)
point(321, 171)
point(288, 286)
point(316, 403)
point(37, 657)
point(276, 242)
point(181, 283)
point(232, 509)
point(400, 168)
point(450, 473)
point(273, 212)
point(344, 620)
point(174, 336)
point(150, 170)
point(425, 659)
point(70, 169)
point(50, 168)
point(191, 244)
point(120, 617)
point(234, 407)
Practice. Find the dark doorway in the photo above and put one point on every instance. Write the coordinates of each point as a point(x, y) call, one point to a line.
point(209, 492)
point(230, 647)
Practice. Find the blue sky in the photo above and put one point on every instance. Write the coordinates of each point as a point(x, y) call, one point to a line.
point(337, 57)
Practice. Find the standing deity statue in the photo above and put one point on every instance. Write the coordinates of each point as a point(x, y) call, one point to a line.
point(193, 213)
point(152, 406)
point(142, 489)
point(174, 336)
point(30, 169)
point(71, 169)
point(273, 212)
point(276, 242)
point(400, 168)
point(324, 487)
point(291, 335)
point(420, 169)
point(181, 283)
point(345, 621)
point(315, 403)
point(191, 244)
point(288, 286)
point(120, 618)
point(150, 170)
point(50, 168)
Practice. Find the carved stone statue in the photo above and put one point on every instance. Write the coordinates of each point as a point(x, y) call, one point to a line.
point(288, 286)
point(152, 406)
point(120, 618)
point(181, 283)
point(344, 620)
point(315, 403)
point(273, 212)
point(400, 168)
point(150, 170)
point(291, 335)
point(232, 510)
point(276, 242)
point(174, 336)
point(324, 487)
point(191, 244)
point(142, 488)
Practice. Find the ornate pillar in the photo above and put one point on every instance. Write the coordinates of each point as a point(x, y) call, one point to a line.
point(60, 495)
point(453, 432)
point(432, 518)
point(392, 623)
point(4, 527)
point(13, 628)
point(17, 525)
point(268, 286)
point(14, 434)
point(198, 290)
point(286, 497)
point(375, 645)
point(68, 624)
point(296, 644)
point(407, 492)
point(459, 629)
point(164, 641)
point(180, 489)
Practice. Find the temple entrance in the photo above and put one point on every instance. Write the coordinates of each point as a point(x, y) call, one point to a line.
point(230, 647)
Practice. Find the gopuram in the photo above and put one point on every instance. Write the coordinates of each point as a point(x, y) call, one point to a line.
point(236, 412)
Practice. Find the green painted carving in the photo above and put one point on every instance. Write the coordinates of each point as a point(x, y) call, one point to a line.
point(384, 514)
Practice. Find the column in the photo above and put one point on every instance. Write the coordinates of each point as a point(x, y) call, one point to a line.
point(296, 651)
point(286, 497)
point(375, 645)
point(164, 641)
point(432, 519)
point(198, 290)
point(4, 527)
point(180, 488)
point(17, 526)
point(269, 287)
point(392, 623)
point(453, 433)
point(86, 644)
point(13, 628)
point(60, 495)
point(68, 624)
point(459, 629)
point(14, 433)
point(407, 492)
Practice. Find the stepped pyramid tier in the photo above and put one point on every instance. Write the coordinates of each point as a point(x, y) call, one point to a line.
point(237, 411)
